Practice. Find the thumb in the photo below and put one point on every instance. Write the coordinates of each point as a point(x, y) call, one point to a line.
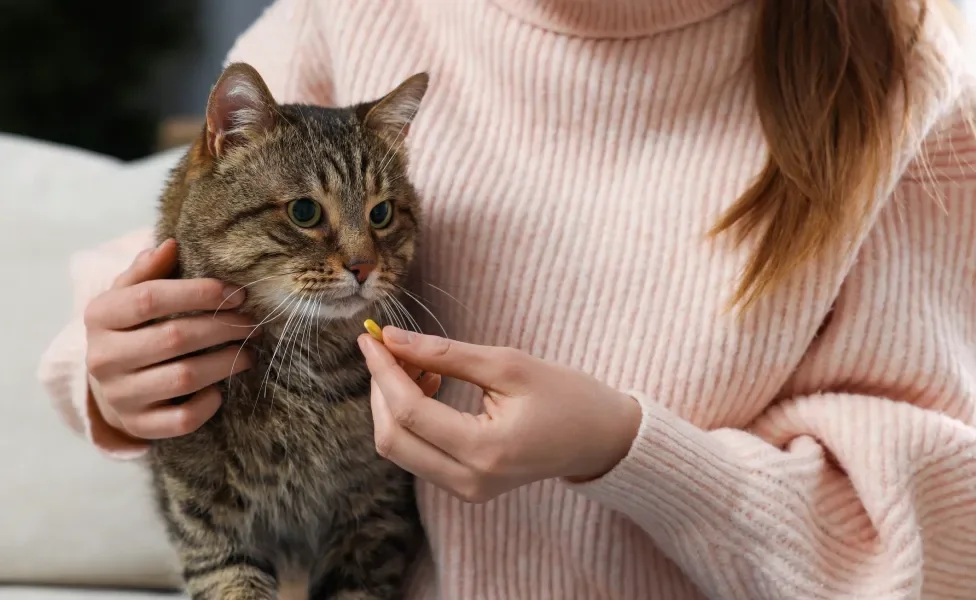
point(468, 362)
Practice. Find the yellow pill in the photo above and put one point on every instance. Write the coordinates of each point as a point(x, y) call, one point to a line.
point(374, 330)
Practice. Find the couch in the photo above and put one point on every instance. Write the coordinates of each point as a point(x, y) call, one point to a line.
point(74, 525)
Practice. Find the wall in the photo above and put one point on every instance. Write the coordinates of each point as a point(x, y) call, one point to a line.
point(184, 88)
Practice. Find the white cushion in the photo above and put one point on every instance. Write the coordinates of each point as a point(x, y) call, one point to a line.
point(51, 593)
point(68, 515)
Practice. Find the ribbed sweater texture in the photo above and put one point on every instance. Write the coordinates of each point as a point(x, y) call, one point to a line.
point(572, 155)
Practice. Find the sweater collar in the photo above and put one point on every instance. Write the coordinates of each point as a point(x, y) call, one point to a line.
point(613, 18)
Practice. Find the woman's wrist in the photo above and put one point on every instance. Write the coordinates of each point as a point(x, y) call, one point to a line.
point(620, 439)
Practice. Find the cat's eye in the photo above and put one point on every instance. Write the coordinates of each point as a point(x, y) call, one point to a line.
point(305, 212)
point(381, 215)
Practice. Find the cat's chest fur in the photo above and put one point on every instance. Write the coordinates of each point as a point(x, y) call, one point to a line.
point(291, 445)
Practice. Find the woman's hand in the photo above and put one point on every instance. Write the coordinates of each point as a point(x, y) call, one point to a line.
point(131, 366)
point(540, 420)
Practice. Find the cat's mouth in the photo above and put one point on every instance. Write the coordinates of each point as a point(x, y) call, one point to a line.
point(331, 305)
point(342, 308)
point(306, 299)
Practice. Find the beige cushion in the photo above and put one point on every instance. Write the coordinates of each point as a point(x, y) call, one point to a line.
point(67, 514)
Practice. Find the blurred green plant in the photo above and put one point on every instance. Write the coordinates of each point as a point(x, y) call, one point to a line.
point(85, 73)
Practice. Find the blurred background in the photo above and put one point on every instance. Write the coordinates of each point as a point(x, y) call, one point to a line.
point(121, 77)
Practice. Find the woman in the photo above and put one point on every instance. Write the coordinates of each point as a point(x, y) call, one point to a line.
point(605, 180)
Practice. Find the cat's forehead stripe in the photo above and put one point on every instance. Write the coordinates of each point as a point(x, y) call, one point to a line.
point(363, 165)
point(334, 174)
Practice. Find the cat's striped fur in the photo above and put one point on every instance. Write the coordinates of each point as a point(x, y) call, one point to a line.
point(285, 477)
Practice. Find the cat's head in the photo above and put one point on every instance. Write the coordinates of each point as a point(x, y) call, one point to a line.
point(310, 207)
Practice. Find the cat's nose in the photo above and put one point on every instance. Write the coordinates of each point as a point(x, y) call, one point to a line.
point(361, 269)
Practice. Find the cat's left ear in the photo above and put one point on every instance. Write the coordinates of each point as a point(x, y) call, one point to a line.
point(391, 115)
point(240, 110)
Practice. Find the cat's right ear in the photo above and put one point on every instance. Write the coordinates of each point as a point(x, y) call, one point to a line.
point(391, 115)
point(240, 111)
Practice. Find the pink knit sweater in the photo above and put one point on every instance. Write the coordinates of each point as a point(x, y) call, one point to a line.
point(572, 154)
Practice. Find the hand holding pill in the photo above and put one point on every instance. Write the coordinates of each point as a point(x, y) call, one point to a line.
point(540, 420)
point(428, 382)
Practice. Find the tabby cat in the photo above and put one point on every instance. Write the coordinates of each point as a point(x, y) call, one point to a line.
point(311, 209)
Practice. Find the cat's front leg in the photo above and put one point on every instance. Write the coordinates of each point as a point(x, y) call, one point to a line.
point(370, 556)
point(216, 564)
point(227, 575)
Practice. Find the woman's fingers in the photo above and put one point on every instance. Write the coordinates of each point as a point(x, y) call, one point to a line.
point(412, 372)
point(178, 378)
point(429, 383)
point(151, 263)
point(448, 429)
point(415, 455)
point(149, 300)
point(488, 367)
point(164, 341)
point(174, 420)
point(425, 380)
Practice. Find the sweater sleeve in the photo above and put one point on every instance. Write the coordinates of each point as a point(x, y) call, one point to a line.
point(62, 369)
point(857, 482)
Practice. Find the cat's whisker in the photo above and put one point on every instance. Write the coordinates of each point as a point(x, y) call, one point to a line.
point(461, 304)
point(394, 148)
point(393, 315)
point(416, 297)
point(395, 318)
point(288, 354)
point(305, 310)
point(284, 334)
point(271, 316)
point(312, 330)
point(264, 379)
point(247, 285)
point(297, 309)
point(386, 313)
point(396, 179)
point(318, 336)
point(306, 344)
point(306, 340)
point(407, 316)
point(418, 329)
point(409, 323)
point(298, 342)
point(429, 312)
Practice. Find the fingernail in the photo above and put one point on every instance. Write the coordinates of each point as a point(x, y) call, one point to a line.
point(157, 247)
point(233, 295)
point(398, 336)
point(365, 345)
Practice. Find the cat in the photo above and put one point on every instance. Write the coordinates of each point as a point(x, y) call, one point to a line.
point(311, 209)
